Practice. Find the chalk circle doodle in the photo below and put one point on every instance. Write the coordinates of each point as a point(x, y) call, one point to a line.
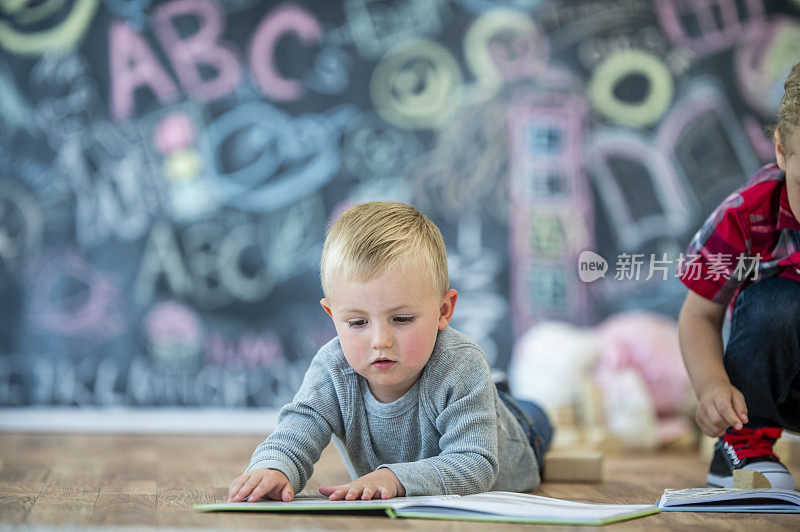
point(504, 45)
point(372, 149)
point(73, 299)
point(266, 160)
point(614, 69)
point(57, 28)
point(416, 85)
point(21, 222)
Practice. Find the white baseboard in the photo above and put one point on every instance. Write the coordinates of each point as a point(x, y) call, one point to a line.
point(139, 420)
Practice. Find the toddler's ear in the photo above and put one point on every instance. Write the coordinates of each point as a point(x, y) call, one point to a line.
point(446, 308)
point(326, 306)
point(780, 157)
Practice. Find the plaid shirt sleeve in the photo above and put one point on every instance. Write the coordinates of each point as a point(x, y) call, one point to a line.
point(711, 265)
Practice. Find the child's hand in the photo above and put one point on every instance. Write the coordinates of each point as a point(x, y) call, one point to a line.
point(380, 484)
point(721, 406)
point(260, 482)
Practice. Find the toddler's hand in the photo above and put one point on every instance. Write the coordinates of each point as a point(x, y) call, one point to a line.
point(380, 484)
point(260, 482)
point(721, 406)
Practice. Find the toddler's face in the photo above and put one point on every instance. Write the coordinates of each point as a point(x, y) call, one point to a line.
point(387, 327)
point(791, 165)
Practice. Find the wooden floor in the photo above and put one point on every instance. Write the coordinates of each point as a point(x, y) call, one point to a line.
point(107, 481)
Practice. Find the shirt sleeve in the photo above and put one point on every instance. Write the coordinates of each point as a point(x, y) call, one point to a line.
point(467, 421)
point(304, 428)
point(715, 265)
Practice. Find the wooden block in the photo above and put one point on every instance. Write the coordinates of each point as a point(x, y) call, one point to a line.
point(573, 466)
point(748, 480)
point(592, 408)
point(788, 448)
point(563, 416)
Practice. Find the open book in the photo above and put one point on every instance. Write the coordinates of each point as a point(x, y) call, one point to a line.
point(768, 500)
point(499, 506)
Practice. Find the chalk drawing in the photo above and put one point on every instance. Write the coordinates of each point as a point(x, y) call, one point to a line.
point(174, 335)
point(332, 71)
point(474, 270)
point(114, 199)
point(16, 113)
point(132, 64)
point(466, 171)
point(64, 110)
point(762, 61)
point(288, 18)
point(614, 69)
point(481, 6)
point(306, 148)
point(72, 298)
point(504, 45)
point(372, 149)
point(161, 259)
point(32, 28)
point(651, 180)
point(202, 47)
point(375, 26)
point(250, 350)
point(708, 26)
point(134, 11)
point(416, 85)
point(175, 142)
point(761, 141)
point(21, 223)
point(708, 144)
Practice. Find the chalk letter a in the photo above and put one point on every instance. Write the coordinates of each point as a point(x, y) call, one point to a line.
point(133, 65)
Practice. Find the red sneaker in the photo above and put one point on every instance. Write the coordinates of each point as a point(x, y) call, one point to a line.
point(749, 449)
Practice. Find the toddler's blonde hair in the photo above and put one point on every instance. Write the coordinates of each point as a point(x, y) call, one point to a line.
point(789, 111)
point(374, 237)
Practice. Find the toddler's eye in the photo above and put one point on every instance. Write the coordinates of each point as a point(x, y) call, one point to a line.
point(356, 323)
point(404, 319)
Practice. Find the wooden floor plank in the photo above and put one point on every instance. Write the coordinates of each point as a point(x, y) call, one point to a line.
point(150, 480)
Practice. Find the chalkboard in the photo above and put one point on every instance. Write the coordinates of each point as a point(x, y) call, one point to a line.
point(169, 168)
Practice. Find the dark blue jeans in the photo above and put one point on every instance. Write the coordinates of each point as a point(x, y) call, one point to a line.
point(534, 422)
point(762, 357)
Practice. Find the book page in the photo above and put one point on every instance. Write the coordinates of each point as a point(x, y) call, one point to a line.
point(522, 505)
point(701, 495)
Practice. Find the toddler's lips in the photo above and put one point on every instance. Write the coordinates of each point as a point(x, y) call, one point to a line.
point(383, 363)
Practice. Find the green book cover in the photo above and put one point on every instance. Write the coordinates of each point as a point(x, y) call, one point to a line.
point(493, 506)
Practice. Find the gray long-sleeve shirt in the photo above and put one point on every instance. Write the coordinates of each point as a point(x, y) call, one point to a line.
point(449, 434)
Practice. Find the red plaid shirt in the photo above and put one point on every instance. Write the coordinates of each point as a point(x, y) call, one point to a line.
point(751, 235)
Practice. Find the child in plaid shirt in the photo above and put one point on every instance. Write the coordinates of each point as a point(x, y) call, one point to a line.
point(749, 394)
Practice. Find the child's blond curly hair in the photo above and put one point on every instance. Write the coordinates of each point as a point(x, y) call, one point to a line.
point(789, 111)
point(374, 237)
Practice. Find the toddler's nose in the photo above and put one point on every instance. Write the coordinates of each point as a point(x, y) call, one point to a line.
point(381, 338)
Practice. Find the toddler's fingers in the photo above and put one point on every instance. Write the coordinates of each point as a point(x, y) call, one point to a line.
point(725, 408)
point(707, 427)
point(354, 493)
point(288, 493)
point(235, 485)
point(711, 416)
point(339, 493)
point(740, 406)
point(246, 489)
point(368, 493)
point(385, 493)
point(261, 489)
